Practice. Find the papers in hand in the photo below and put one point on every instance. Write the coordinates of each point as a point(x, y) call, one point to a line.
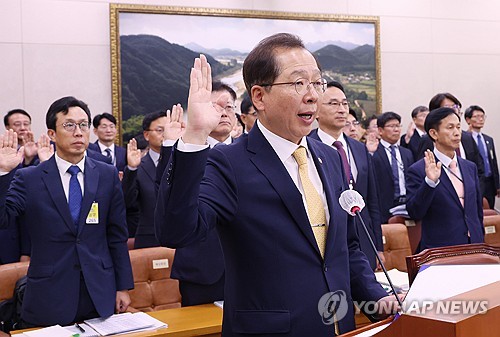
point(126, 322)
point(399, 280)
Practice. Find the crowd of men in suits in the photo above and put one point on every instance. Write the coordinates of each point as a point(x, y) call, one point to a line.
point(241, 214)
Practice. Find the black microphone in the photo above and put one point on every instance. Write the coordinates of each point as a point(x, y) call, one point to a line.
point(352, 202)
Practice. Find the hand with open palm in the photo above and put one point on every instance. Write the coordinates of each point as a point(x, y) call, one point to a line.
point(10, 156)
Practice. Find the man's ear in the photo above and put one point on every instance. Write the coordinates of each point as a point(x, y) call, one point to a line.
point(52, 134)
point(433, 134)
point(146, 135)
point(257, 94)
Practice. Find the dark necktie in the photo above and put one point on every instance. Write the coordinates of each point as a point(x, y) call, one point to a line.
point(75, 194)
point(395, 171)
point(345, 163)
point(482, 151)
point(457, 151)
point(108, 153)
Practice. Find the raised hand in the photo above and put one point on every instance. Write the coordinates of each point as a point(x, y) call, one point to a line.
point(175, 127)
point(133, 154)
point(432, 169)
point(30, 147)
point(203, 117)
point(410, 132)
point(45, 148)
point(371, 142)
point(10, 157)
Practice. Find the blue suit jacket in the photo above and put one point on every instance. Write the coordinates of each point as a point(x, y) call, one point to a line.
point(120, 154)
point(366, 186)
point(444, 221)
point(201, 262)
point(275, 275)
point(413, 145)
point(385, 183)
point(60, 253)
point(10, 247)
point(139, 189)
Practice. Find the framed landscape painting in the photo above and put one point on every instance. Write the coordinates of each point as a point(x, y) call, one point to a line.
point(153, 48)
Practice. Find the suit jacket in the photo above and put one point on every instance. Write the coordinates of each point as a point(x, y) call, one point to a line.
point(444, 221)
point(385, 183)
point(492, 156)
point(200, 262)
point(275, 275)
point(120, 155)
point(10, 248)
point(60, 253)
point(366, 186)
point(413, 145)
point(139, 190)
point(470, 148)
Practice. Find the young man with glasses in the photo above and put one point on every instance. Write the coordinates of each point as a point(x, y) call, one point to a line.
point(391, 163)
point(75, 214)
point(352, 126)
point(105, 130)
point(357, 163)
point(286, 241)
point(490, 184)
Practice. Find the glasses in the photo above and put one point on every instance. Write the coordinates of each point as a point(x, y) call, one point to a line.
point(336, 105)
point(455, 107)
point(479, 117)
point(228, 108)
point(157, 130)
point(355, 123)
point(71, 126)
point(394, 126)
point(251, 113)
point(302, 86)
point(19, 124)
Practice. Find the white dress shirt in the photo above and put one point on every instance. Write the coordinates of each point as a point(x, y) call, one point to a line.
point(328, 140)
point(63, 166)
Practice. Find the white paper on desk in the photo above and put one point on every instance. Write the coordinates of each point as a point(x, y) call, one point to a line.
point(372, 332)
point(440, 282)
point(51, 331)
point(118, 323)
point(399, 279)
point(89, 332)
point(155, 323)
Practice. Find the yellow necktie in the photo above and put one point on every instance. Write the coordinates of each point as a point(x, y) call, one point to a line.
point(315, 208)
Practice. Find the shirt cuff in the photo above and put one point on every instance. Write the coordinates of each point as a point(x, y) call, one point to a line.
point(431, 183)
point(184, 147)
point(168, 142)
point(132, 168)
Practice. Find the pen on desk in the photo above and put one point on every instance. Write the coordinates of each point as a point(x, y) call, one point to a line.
point(79, 327)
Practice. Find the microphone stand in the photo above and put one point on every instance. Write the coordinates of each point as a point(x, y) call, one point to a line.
point(356, 211)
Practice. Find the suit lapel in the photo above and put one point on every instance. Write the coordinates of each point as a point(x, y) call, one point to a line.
point(91, 181)
point(385, 159)
point(446, 182)
point(149, 167)
point(278, 177)
point(52, 181)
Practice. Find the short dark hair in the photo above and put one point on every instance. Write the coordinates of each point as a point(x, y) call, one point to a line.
point(418, 110)
point(365, 123)
point(14, 111)
point(98, 118)
point(261, 66)
point(335, 84)
point(353, 114)
point(62, 105)
point(246, 104)
point(238, 118)
point(219, 86)
point(434, 118)
point(439, 98)
point(387, 116)
point(471, 109)
point(150, 118)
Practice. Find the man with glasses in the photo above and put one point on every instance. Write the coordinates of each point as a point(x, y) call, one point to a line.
point(356, 160)
point(411, 139)
point(352, 126)
point(490, 184)
point(105, 130)
point(288, 246)
point(138, 182)
point(391, 163)
point(75, 214)
point(248, 114)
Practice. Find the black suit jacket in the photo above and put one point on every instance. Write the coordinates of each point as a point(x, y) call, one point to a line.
point(413, 145)
point(383, 172)
point(120, 154)
point(492, 157)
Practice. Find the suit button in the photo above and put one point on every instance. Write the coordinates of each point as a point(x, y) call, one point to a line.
point(78, 241)
point(325, 268)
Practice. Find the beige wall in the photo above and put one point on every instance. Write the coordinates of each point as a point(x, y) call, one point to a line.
point(53, 48)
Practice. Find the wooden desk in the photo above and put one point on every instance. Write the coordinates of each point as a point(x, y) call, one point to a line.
point(199, 320)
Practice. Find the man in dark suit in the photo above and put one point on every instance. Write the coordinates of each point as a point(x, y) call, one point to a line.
point(282, 261)
point(490, 184)
point(139, 187)
point(411, 139)
point(443, 189)
point(332, 116)
point(105, 130)
point(74, 207)
point(390, 164)
point(199, 267)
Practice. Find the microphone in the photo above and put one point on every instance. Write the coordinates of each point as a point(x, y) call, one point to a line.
point(352, 202)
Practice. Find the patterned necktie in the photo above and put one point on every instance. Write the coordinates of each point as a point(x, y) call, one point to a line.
point(315, 208)
point(75, 194)
point(483, 152)
point(395, 171)
point(457, 183)
point(345, 163)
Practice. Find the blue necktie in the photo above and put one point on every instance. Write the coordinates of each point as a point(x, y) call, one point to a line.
point(75, 194)
point(482, 151)
point(108, 153)
point(395, 171)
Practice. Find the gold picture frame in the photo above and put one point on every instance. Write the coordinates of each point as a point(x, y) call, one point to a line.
point(133, 69)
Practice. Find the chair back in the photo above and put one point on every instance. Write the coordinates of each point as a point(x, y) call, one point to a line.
point(492, 230)
point(9, 274)
point(396, 246)
point(414, 230)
